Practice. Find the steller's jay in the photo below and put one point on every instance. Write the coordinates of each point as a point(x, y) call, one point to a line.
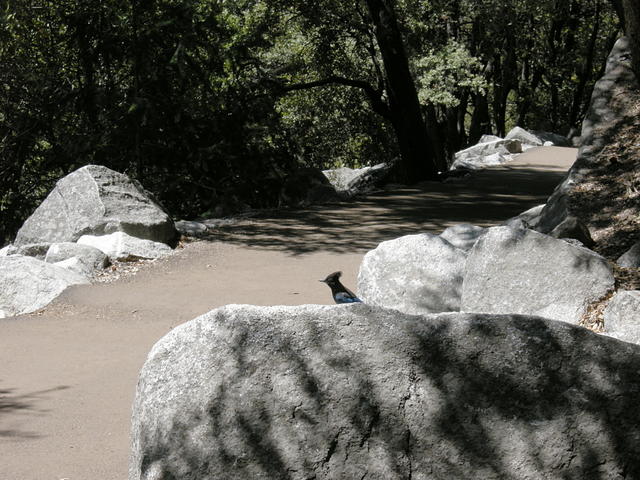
point(341, 294)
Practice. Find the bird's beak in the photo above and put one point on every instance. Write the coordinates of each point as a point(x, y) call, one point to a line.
point(323, 281)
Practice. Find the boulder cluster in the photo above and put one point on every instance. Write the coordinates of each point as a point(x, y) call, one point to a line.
point(492, 150)
point(466, 360)
point(93, 217)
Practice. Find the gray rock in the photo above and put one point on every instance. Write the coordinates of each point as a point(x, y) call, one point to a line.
point(603, 119)
point(527, 219)
point(631, 258)
point(522, 271)
point(8, 250)
point(480, 161)
point(353, 392)
point(463, 235)
point(489, 138)
point(306, 186)
point(340, 177)
point(413, 274)
point(622, 316)
point(551, 139)
point(35, 250)
point(573, 228)
point(76, 265)
point(123, 247)
point(503, 147)
point(190, 228)
point(368, 179)
point(96, 200)
point(90, 256)
point(524, 137)
point(28, 284)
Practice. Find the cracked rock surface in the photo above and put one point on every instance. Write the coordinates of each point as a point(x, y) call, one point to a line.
point(354, 392)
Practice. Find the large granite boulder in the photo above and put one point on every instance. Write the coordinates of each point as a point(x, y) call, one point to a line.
point(358, 392)
point(622, 316)
point(605, 118)
point(522, 271)
point(28, 284)
point(96, 200)
point(413, 274)
point(123, 247)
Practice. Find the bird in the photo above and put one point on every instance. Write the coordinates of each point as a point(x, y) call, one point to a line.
point(340, 293)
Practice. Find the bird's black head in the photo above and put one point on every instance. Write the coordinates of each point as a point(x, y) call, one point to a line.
point(332, 278)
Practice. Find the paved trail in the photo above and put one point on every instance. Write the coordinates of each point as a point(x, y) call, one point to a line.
point(68, 373)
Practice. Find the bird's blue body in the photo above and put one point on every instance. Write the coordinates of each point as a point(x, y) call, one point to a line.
point(345, 297)
point(340, 293)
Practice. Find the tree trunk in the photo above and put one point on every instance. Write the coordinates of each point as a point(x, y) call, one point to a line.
point(587, 68)
point(480, 120)
point(632, 24)
point(418, 156)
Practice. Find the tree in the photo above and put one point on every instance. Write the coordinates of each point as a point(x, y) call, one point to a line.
point(632, 23)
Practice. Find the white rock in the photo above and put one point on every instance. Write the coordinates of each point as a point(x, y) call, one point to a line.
point(622, 316)
point(527, 219)
point(463, 236)
point(524, 137)
point(76, 265)
point(8, 250)
point(120, 246)
point(523, 271)
point(486, 138)
point(413, 274)
point(28, 284)
point(93, 258)
point(191, 228)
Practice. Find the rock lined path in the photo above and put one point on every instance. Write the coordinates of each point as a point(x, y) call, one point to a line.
point(68, 373)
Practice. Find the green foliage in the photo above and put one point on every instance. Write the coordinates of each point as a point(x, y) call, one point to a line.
point(442, 74)
point(194, 97)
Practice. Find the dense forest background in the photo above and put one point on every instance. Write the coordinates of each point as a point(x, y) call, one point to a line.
point(217, 101)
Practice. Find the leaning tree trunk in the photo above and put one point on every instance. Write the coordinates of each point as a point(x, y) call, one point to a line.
point(418, 156)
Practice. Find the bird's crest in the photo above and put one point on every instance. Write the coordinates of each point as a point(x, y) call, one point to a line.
point(332, 277)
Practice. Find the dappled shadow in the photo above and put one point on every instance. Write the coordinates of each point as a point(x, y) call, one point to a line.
point(13, 403)
point(382, 395)
point(485, 198)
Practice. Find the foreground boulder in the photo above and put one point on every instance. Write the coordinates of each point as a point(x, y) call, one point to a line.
point(353, 392)
point(413, 274)
point(28, 284)
point(96, 200)
point(522, 271)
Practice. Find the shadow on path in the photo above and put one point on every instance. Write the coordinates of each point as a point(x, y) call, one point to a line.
point(10, 401)
point(485, 198)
